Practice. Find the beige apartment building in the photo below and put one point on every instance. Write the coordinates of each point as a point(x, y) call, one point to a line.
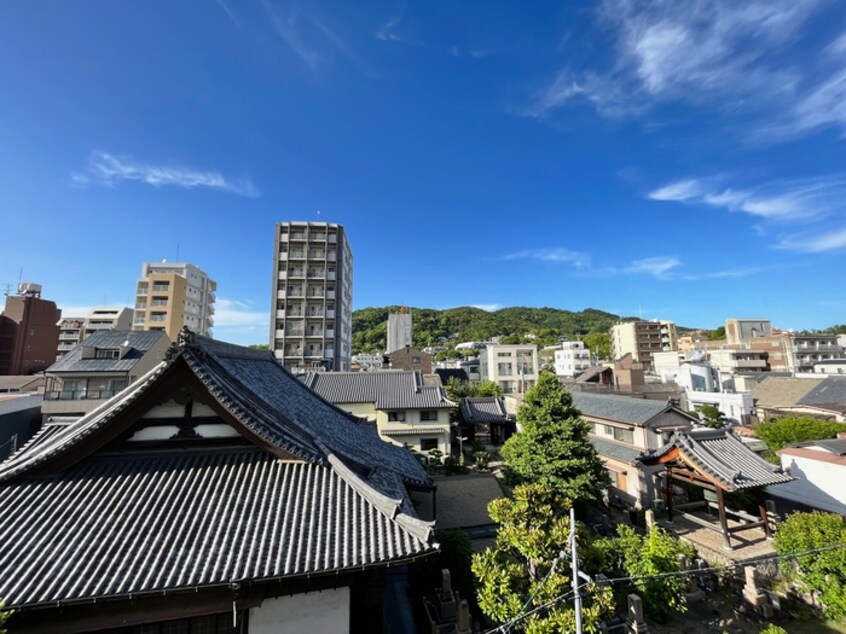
point(514, 368)
point(642, 339)
point(171, 295)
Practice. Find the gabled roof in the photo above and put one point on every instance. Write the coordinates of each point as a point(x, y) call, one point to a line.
point(782, 391)
point(267, 399)
point(719, 456)
point(140, 343)
point(829, 394)
point(315, 493)
point(615, 450)
point(386, 389)
point(623, 409)
point(483, 409)
point(592, 372)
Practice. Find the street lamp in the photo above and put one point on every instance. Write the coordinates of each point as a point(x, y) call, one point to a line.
point(461, 440)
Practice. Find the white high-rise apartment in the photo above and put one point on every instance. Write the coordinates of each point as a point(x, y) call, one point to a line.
point(171, 295)
point(311, 301)
point(399, 331)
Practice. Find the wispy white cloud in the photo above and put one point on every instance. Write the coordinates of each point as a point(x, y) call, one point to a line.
point(241, 315)
point(229, 13)
point(310, 37)
point(815, 243)
point(487, 307)
point(784, 201)
point(660, 267)
point(109, 169)
point(557, 254)
point(720, 54)
point(479, 53)
point(387, 32)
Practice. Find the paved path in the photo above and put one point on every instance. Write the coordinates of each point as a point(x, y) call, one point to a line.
point(462, 500)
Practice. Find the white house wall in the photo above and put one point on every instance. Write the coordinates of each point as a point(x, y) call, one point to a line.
point(326, 612)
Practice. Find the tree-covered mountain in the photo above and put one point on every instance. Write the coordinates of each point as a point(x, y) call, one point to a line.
point(431, 327)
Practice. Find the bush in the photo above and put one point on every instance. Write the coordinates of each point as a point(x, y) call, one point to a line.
point(452, 465)
point(821, 573)
point(481, 459)
point(778, 432)
point(773, 629)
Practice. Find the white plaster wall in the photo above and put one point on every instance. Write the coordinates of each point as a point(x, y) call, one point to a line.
point(327, 612)
point(818, 484)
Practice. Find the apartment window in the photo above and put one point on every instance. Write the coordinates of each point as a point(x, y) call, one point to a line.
point(504, 369)
point(427, 444)
point(396, 417)
point(429, 415)
point(503, 354)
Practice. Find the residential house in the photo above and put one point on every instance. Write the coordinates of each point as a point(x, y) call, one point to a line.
point(100, 367)
point(411, 360)
point(246, 503)
point(405, 410)
point(819, 469)
point(623, 428)
point(777, 396)
point(513, 367)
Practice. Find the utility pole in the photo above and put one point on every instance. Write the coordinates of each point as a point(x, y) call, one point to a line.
point(575, 562)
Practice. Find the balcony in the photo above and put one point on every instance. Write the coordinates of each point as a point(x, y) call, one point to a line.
point(158, 302)
point(298, 235)
point(68, 336)
point(161, 288)
point(296, 273)
point(317, 237)
point(80, 395)
point(296, 255)
point(333, 238)
point(330, 294)
point(142, 292)
point(280, 294)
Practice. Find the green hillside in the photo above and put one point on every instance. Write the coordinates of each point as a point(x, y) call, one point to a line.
point(474, 324)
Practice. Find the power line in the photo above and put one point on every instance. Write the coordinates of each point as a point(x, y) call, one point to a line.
point(506, 627)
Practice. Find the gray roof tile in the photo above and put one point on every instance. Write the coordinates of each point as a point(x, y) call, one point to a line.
point(615, 450)
point(625, 409)
point(186, 521)
point(483, 409)
point(386, 390)
point(723, 456)
point(828, 394)
point(140, 341)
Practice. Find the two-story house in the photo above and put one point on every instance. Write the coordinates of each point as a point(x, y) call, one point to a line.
point(623, 428)
point(98, 368)
point(405, 410)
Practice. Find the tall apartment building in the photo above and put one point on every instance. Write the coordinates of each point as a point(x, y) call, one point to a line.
point(72, 330)
point(643, 338)
point(399, 331)
point(171, 295)
point(29, 332)
point(311, 301)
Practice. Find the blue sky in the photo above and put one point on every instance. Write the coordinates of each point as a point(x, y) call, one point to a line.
point(678, 160)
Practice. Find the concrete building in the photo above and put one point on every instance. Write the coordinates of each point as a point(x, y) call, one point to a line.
point(741, 330)
point(399, 331)
point(730, 360)
point(514, 368)
point(571, 359)
point(102, 365)
point(72, 330)
point(29, 331)
point(803, 351)
point(171, 295)
point(311, 303)
point(643, 338)
point(368, 361)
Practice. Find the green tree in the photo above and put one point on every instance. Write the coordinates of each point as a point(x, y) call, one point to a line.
point(488, 388)
point(599, 344)
point(553, 448)
point(511, 340)
point(711, 416)
point(518, 570)
point(648, 556)
point(717, 334)
point(822, 573)
point(779, 432)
